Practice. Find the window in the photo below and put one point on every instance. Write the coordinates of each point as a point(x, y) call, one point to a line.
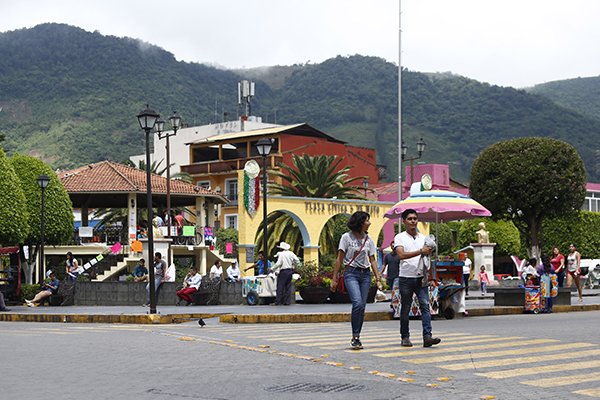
point(591, 202)
point(204, 184)
point(231, 221)
point(231, 190)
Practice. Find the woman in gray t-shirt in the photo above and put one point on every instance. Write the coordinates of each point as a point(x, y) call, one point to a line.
point(357, 253)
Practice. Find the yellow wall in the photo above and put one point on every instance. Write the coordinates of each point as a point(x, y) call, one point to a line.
point(310, 214)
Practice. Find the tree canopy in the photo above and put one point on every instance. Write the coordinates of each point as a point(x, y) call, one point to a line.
point(58, 209)
point(527, 180)
point(14, 215)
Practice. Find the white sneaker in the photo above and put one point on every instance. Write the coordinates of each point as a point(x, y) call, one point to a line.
point(30, 304)
point(28, 301)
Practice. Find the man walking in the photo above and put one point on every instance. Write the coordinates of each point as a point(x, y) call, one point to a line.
point(284, 268)
point(392, 263)
point(410, 247)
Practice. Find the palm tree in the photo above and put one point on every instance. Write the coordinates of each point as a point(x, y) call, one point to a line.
point(314, 176)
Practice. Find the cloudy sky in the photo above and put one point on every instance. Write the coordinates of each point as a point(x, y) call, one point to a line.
point(509, 43)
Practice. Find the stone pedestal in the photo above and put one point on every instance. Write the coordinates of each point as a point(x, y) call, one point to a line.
point(483, 254)
point(162, 245)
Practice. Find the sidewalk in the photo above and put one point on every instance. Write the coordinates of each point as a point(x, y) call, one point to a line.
point(476, 305)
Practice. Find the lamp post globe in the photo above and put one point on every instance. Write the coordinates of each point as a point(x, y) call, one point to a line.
point(365, 184)
point(147, 119)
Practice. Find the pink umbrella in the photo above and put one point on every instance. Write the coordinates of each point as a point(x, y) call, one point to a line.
point(439, 205)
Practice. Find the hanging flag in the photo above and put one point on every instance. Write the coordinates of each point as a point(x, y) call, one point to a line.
point(251, 187)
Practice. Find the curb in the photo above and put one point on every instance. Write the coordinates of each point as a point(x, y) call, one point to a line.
point(149, 319)
point(142, 319)
point(299, 318)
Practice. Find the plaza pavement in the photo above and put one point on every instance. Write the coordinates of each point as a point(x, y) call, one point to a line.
point(476, 305)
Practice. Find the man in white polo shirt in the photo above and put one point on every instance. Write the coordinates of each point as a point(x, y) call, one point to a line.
point(410, 246)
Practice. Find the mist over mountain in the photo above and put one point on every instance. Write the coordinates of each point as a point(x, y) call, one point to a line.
point(70, 97)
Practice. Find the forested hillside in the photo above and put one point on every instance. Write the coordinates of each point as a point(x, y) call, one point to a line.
point(580, 94)
point(70, 97)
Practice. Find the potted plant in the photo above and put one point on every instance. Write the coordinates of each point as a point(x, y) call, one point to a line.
point(339, 297)
point(314, 283)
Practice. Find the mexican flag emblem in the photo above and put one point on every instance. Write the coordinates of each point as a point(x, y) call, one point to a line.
point(251, 187)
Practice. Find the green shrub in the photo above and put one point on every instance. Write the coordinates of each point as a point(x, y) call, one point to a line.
point(581, 228)
point(28, 292)
point(504, 233)
point(224, 236)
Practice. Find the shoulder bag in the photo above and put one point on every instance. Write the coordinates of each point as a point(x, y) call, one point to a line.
point(341, 286)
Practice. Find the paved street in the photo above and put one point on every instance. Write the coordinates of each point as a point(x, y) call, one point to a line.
point(508, 357)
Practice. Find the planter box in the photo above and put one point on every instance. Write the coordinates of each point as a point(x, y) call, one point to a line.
point(315, 295)
point(339, 297)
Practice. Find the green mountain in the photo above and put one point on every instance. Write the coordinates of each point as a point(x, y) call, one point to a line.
point(70, 97)
point(579, 94)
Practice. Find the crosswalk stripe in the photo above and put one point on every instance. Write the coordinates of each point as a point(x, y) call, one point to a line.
point(518, 360)
point(440, 348)
point(563, 380)
point(510, 373)
point(499, 353)
point(589, 392)
point(380, 346)
point(394, 337)
point(447, 343)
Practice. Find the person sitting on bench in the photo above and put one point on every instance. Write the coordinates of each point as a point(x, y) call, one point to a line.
point(191, 284)
point(48, 289)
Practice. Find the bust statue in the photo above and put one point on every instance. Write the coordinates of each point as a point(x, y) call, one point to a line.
point(156, 231)
point(483, 236)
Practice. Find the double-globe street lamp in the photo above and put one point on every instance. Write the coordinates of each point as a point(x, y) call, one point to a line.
point(42, 182)
point(175, 122)
point(264, 148)
point(147, 119)
point(420, 149)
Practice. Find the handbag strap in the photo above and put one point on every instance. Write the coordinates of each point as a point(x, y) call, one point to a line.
point(357, 253)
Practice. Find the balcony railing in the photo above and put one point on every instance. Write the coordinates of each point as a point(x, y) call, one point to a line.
point(209, 167)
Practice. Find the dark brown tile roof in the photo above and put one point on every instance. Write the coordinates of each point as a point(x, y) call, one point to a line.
point(111, 177)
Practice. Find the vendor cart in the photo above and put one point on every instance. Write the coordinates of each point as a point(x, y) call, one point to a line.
point(449, 275)
point(255, 288)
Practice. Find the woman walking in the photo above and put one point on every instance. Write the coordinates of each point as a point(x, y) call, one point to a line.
point(558, 262)
point(573, 269)
point(72, 268)
point(356, 252)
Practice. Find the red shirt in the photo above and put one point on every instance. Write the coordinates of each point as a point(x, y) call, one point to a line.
point(555, 262)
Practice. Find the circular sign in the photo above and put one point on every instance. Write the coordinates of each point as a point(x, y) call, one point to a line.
point(252, 169)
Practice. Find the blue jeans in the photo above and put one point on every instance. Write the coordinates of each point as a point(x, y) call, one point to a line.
point(408, 286)
point(358, 282)
point(74, 277)
point(157, 282)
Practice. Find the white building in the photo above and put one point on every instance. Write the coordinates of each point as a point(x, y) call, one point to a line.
point(180, 151)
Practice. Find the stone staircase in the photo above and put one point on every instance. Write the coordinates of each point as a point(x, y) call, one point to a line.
point(111, 270)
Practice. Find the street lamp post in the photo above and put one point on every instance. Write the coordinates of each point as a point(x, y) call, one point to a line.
point(420, 149)
point(175, 122)
point(365, 184)
point(264, 148)
point(147, 119)
point(42, 182)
